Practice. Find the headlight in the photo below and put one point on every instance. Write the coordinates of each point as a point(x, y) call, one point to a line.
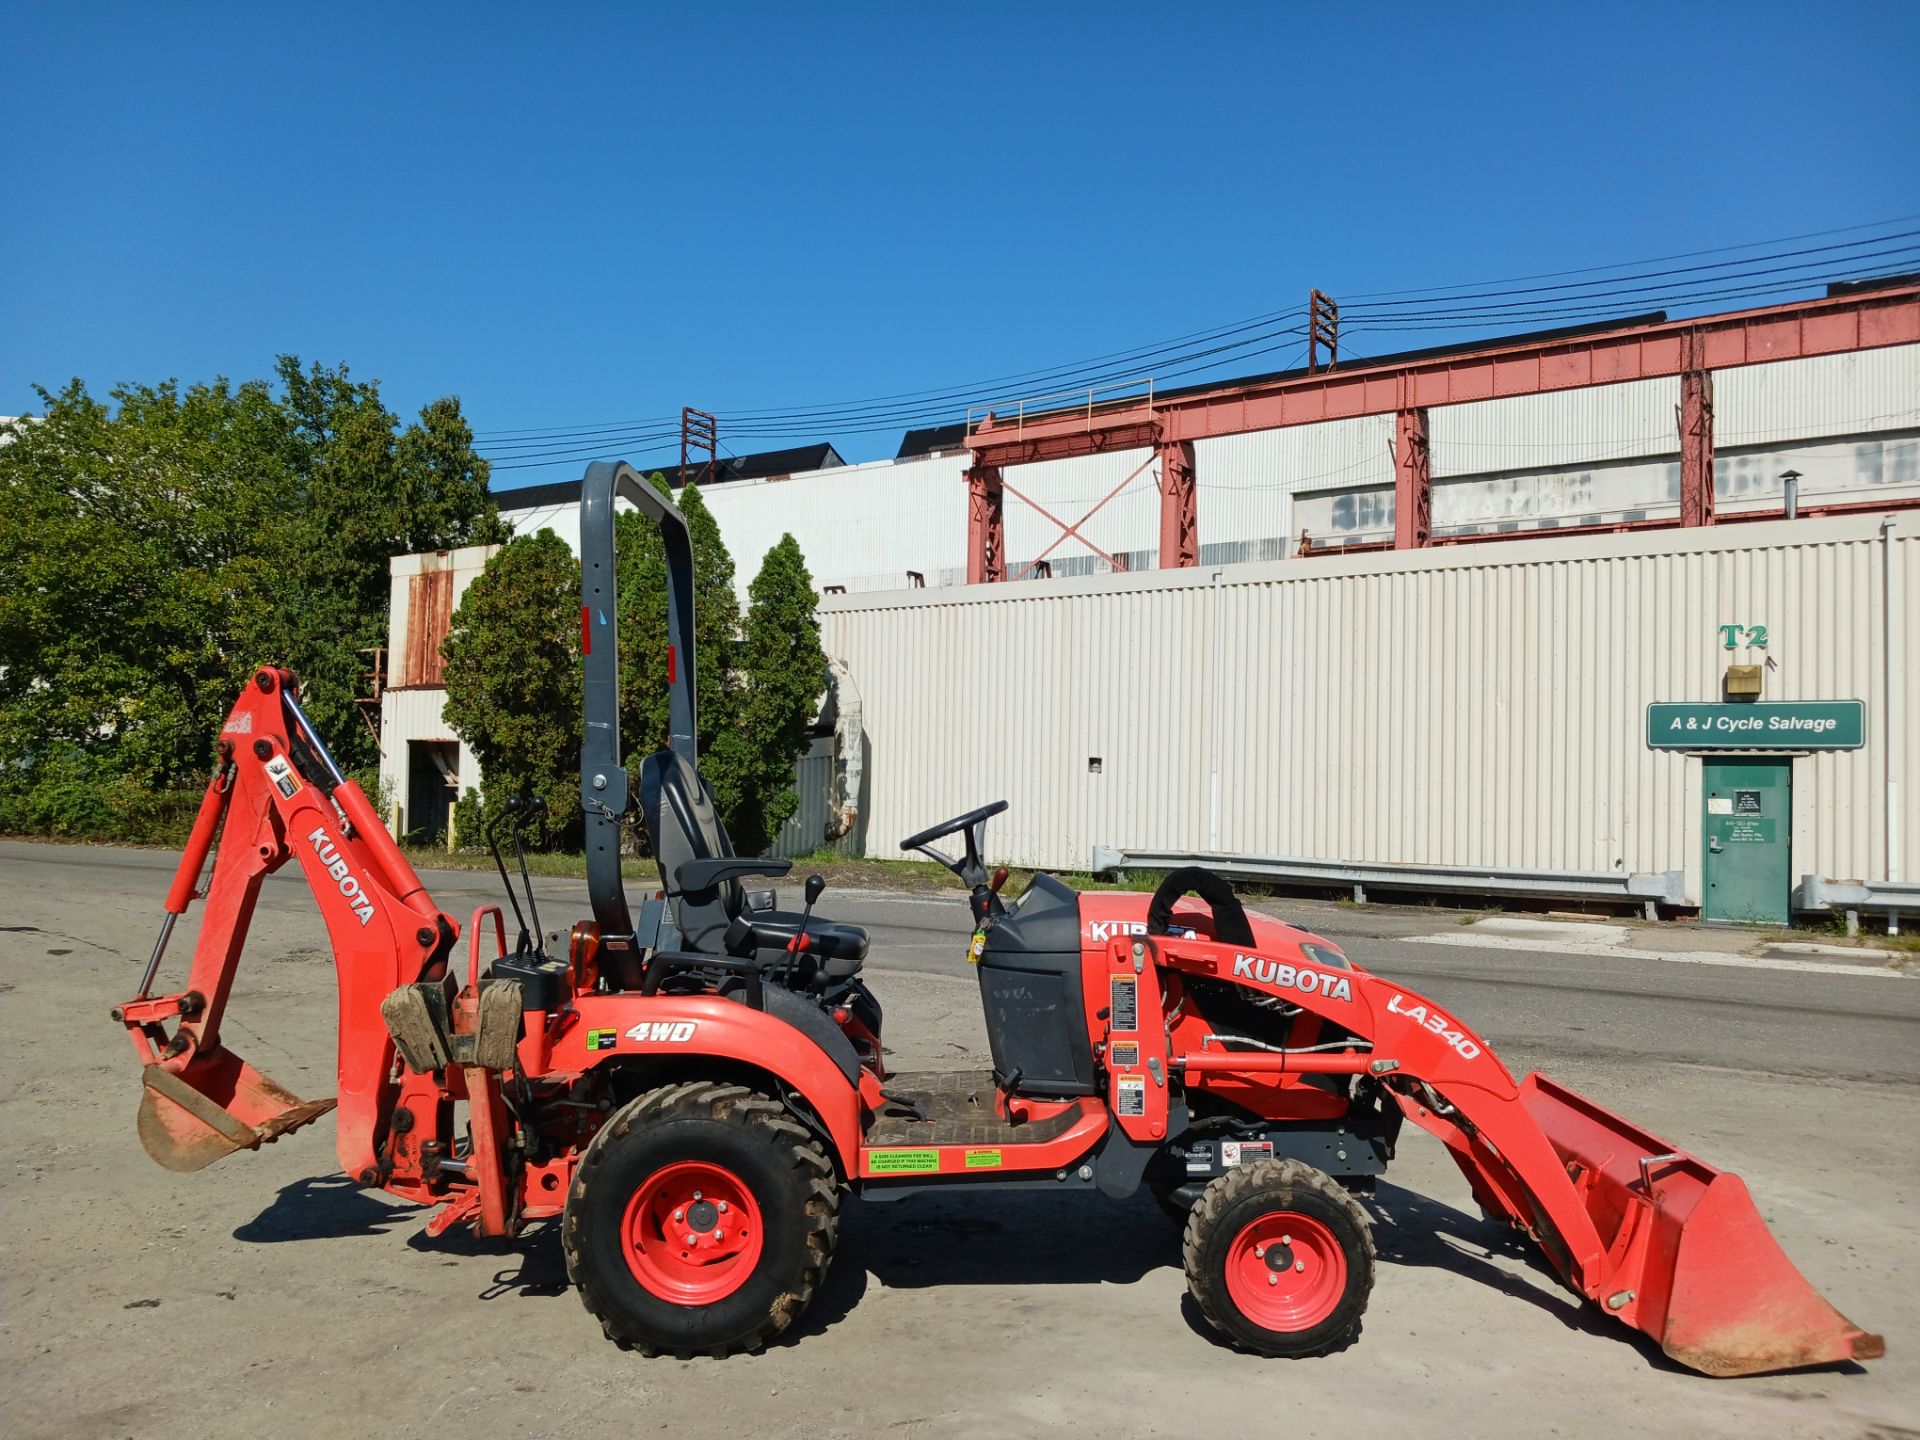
point(1326, 955)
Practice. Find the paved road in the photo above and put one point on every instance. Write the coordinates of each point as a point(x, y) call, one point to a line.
point(268, 1294)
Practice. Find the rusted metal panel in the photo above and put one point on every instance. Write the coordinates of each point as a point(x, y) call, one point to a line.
point(429, 612)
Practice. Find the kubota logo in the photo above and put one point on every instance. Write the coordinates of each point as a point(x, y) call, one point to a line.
point(1102, 930)
point(1290, 977)
point(329, 853)
point(673, 1032)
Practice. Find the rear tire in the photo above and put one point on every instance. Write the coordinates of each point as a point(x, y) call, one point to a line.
point(701, 1219)
point(1279, 1259)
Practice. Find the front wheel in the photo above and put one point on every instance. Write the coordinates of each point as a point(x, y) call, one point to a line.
point(702, 1218)
point(1279, 1259)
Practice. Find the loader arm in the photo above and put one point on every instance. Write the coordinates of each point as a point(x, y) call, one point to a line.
point(1657, 1237)
point(275, 795)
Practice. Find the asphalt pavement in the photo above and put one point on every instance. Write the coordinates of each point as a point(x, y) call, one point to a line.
point(268, 1294)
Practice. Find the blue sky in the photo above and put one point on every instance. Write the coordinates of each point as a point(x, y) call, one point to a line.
point(576, 215)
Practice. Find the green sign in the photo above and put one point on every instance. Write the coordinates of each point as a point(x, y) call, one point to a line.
point(894, 1162)
point(1784, 725)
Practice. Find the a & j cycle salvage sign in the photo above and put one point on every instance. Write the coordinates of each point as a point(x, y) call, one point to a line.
point(1782, 725)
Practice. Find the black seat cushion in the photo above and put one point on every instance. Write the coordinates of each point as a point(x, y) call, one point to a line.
point(676, 803)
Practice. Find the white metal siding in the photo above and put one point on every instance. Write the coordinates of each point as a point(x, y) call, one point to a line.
point(1560, 428)
point(1480, 706)
point(1855, 393)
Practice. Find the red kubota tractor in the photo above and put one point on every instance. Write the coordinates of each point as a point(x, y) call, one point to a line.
point(693, 1087)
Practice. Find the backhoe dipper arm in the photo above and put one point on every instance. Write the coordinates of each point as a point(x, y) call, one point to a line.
point(202, 1101)
point(1661, 1239)
point(603, 776)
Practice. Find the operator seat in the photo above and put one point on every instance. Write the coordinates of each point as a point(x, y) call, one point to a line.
point(708, 901)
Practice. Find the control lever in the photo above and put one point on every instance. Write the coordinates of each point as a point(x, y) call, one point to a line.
point(797, 946)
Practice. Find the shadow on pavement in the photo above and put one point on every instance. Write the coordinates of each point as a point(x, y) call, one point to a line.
point(324, 1207)
point(1007, 1238)
point(1410, 1229)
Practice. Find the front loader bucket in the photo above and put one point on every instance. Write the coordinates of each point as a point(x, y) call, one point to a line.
point(1687, 1258)
point(218, 1104)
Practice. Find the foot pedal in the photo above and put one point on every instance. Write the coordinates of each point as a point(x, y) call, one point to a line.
point(912, 1107)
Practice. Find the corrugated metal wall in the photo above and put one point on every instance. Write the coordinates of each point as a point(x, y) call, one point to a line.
point(1479, 706)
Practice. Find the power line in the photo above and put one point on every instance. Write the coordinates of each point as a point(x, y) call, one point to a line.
point(1450, 307)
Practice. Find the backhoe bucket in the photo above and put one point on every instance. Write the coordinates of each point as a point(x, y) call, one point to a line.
point(218, 1104)
point(1687, 1257)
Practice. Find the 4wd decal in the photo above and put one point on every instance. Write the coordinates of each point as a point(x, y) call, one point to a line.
point(1447, 1030)
point(1291, 977)
point(663, 1032)
point(328, 851)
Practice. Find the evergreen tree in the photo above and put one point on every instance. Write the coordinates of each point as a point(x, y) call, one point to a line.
point(782, 673)
point(513, 679)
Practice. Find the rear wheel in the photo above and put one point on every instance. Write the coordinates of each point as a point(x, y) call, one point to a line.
point(702, 1218)
point(1279, 1258)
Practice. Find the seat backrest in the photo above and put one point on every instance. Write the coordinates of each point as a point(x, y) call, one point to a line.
point(676, 804)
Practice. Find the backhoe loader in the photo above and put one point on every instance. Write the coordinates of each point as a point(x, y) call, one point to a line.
point(690, 1090)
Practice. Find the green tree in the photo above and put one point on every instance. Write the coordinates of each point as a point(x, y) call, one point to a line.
point(640, 562)
point(641, 557)
point(513, 678)
point(782, 672)
point(156, 546)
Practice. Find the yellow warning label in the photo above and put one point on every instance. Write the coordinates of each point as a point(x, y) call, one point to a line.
point(983, 1159)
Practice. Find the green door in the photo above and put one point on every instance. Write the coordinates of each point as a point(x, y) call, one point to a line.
point(1749, 836)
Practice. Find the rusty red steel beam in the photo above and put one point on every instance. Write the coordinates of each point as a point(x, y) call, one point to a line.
point(1792, 331)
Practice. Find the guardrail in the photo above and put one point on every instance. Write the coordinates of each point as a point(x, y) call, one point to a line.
point(1650, 889)
point(1889, 897)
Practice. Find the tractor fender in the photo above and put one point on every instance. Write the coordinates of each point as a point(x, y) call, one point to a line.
point(610, 1029)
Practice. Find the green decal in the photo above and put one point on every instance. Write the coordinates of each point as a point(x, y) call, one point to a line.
point(894, 1162)
point(602, 1039)
point(983, 1159)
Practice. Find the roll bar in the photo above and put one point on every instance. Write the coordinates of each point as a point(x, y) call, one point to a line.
point(603, 778)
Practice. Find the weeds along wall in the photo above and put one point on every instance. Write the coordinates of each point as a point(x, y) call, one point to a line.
point(1481, 704)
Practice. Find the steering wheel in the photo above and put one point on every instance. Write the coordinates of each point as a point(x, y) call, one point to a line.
point(969, 868)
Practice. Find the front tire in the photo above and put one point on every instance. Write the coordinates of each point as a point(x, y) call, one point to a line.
point(1279, 1259)
point(701, 1219)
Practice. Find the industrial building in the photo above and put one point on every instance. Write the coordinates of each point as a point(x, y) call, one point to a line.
point(1395, 623)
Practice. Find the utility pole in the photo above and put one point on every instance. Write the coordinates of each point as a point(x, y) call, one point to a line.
point(698, 430)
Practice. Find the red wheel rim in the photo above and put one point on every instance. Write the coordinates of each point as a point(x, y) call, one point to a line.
point(1286, 1271)
point(691, 1233)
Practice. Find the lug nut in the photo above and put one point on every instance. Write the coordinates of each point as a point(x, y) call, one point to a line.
point(1259, 1251)
point(679, 1214)
point(723, 1207)
point(1300, 1265)
point(1286, 1239)
point(696, 1194)
point(1273, 1279)
point(693, 1239)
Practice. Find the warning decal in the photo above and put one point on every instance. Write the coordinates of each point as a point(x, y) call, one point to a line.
point(898, 1162)
point(1124, 1054)
point(1130, 1095)
point(1125, 1013)
point(983, 1159)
